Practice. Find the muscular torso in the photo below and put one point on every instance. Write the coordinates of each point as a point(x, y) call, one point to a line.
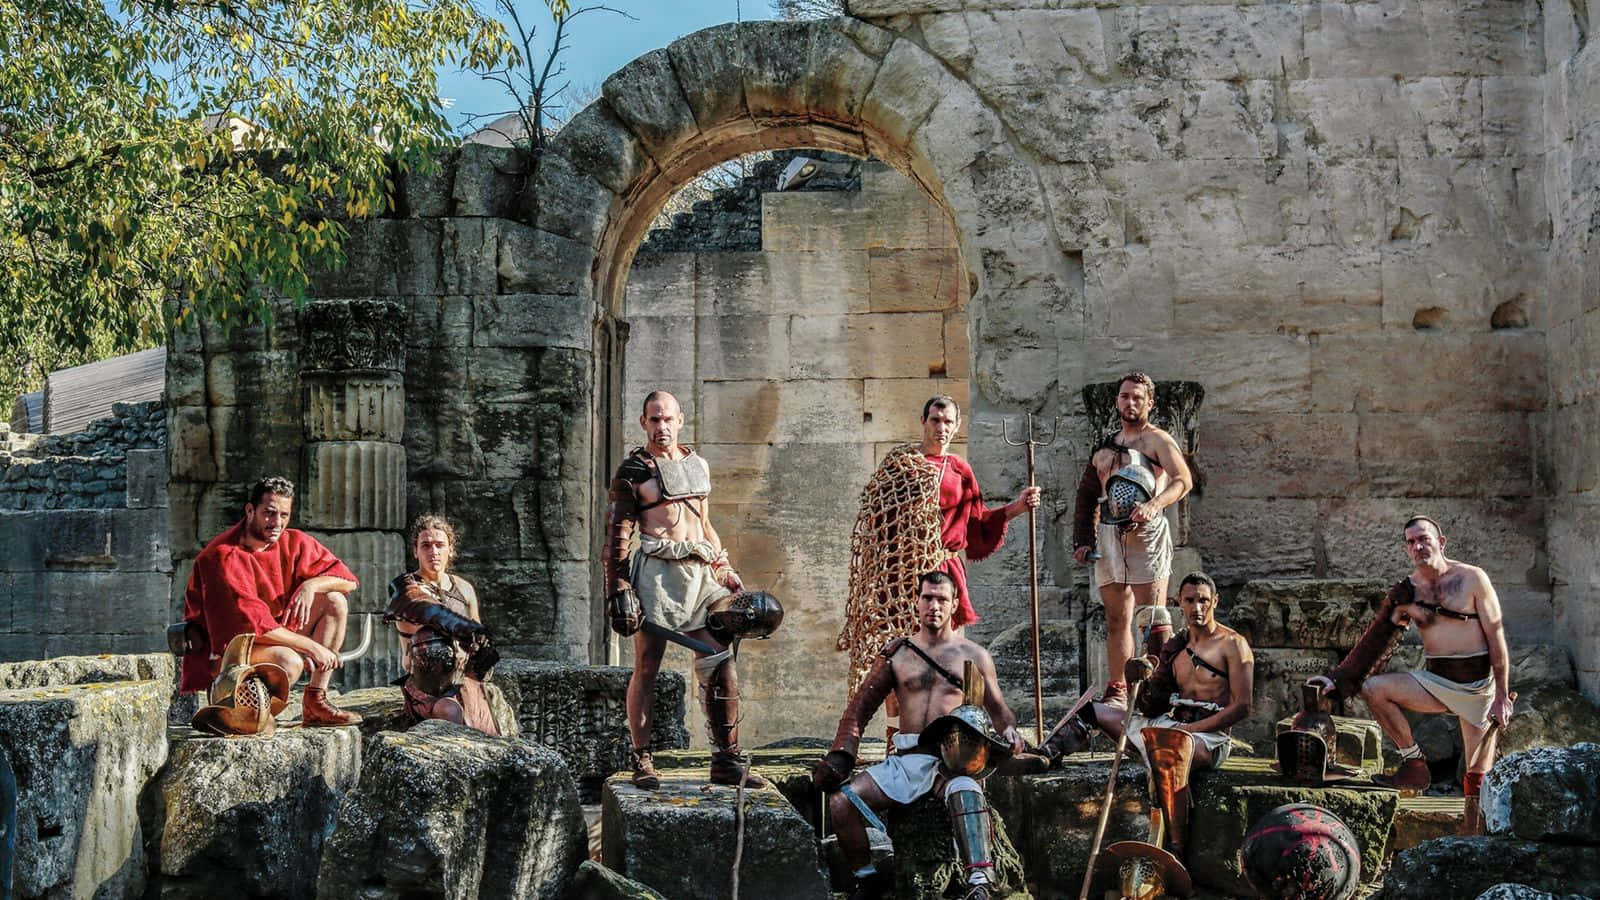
point(1195, 682)
point(1443, 635)
point(924, 694)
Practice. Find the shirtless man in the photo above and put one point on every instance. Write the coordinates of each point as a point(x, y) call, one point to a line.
point(1135, 555)
point(910, 670)
point(678, 571)
point(1466, 674)
point(1203, 684)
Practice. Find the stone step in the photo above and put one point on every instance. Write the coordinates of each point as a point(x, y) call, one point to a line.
point(679, 839)
point(1423, 818)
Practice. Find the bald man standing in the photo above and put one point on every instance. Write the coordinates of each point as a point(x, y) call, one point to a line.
point(679, 569)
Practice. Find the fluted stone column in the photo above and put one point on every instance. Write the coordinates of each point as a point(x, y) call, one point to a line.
point(353, 493)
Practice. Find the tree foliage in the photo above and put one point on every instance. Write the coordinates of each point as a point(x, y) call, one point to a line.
point(201, 153)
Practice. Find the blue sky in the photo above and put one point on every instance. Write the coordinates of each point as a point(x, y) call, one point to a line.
point(600, 43)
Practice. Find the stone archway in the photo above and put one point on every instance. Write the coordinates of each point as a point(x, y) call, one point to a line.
point(839, 85)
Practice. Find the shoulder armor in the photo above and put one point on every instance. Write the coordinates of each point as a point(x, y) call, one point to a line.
point(635, 469)
point(893, 647)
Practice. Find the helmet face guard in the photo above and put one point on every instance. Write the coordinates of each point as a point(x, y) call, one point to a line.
point(1127, 487)
point(747, 614)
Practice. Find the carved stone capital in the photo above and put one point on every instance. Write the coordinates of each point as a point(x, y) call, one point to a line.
point(342, 335)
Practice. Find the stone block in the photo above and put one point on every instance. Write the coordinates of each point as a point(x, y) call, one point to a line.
point(186, 378)
point(570, 203)
point(350, 407)
point(915, 280)
point(417, 259)
point(434, 323)
point(1012, 651)
point(488, 180)
point(1224, 42)
point(1305, 614)
point(663, 284)
point(1474, 199)
point(596, 882)
point(580, 712)
point(909, 83)
point(1243, 539)
point(752, 412)
point(532, 320)
point(844, 60)
point(892, 407)
point(82, 755)
point(61, 671)
point(469, 252)
point(1242, 373)
point(538, 262)
point(1286, 455)
point(730, 347)
point(424, 186)
point(1490, 459)
point(495, 818)
point(597, 144)
point(1547, 794)
point(872, 345)
point(1228, 802)
point(1457, 284)
point(367, 269)
point(1488, 372)
point(706, 63)
point(1231, 292)
point(1382, 40)
point(646, 97)
point(90, 601)
point(1061, 809)
point(776, 55)
point(189, 443)
point(1128, 291)
point(357, 485)
point(147, 479)
point(1388, 117)
point(247, 817)
point(1422, 818)
point(674, 838)
point(1468, 866)
point(1503, 536)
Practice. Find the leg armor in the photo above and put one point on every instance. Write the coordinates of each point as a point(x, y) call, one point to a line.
point(1171, 752)
point(970, 819)
point(719, 698)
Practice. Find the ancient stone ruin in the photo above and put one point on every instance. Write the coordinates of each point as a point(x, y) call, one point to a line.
point(1362, 231)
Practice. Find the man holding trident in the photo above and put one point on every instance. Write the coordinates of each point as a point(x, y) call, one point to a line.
point(1132, 476)
point(920, 510)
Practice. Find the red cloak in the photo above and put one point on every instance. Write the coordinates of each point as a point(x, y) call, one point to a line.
point(965, 524)
point(237, 591)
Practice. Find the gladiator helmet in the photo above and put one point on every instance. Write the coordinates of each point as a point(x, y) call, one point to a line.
point(747, 614)
point(1146, 872)
point(1302, 852)
point(245, 696)
point(1128, 487)
point(1308, 751)
point(964, 739)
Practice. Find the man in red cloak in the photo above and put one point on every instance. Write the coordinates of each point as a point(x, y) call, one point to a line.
point(921, 509)
point(264, 578)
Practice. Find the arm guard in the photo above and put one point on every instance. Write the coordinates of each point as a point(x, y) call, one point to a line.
point(413, 603)
point(869, 696)
point(1156, 697)
point(1086, 511)
point(1377, 643)
point(622, 517)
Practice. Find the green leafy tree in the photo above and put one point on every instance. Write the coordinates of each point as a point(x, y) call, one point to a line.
point(164, 159)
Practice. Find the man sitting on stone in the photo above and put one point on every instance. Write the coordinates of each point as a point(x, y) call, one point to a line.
point(264, 578)
point(1203, 683)
point(1467, 673)
point(920, 672)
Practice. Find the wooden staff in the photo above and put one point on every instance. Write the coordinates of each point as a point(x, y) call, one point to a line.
point(1029, 441)
point(1111, 788)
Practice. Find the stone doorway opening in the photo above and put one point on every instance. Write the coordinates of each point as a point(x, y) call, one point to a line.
point(801, 330)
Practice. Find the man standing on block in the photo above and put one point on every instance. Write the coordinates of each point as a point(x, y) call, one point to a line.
point(264, 578)
point(1131, 477)
point(679, 570)
point(1467, 672)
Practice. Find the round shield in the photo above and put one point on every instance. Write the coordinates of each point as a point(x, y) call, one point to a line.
point(1302, 852)
point(747, 614)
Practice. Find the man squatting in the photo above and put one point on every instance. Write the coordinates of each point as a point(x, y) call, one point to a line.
point(1467, 668)
point(264, 578)
point(1135, 556)
point(918, 671)
point(680, 568)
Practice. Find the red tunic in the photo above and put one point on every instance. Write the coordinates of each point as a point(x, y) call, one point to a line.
point(234, 591)
point(965, 524)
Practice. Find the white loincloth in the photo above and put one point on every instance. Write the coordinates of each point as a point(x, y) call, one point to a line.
point(1139, 555)
point(905, 777)
point(1215, 741)
point(675, 582)
point(1469, 701)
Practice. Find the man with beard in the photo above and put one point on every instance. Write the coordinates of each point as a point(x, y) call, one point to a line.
point(1132, 538)
point(920, 672)
point(678, 571)
point(264, 578)
point(1467, 669)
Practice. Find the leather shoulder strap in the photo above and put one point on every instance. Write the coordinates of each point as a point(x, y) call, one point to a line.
point(955, 680)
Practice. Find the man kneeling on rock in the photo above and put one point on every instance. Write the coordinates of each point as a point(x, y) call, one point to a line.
point(947, 741)
point(1198, 687)
point(282, 590)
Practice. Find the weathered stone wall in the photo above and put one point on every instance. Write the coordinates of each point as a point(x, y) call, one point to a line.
point(1570, 443)
point(798, 366)
point(84, 561)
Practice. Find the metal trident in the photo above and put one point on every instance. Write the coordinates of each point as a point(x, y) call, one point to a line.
point(1030, 439)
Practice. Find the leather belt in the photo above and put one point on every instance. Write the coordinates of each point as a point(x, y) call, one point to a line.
point(1460, 669)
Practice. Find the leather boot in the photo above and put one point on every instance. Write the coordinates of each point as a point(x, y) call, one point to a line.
point(1064, 741)
point(1412, 776)
point(644, 771)
point(877, 886)
point(719, 697)
point(317, 712)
